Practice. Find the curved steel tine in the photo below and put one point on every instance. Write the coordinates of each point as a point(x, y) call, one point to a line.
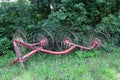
point(59, 47)
point(67, 46)
point(75, 37)
point(49, 35)
point(62, 45)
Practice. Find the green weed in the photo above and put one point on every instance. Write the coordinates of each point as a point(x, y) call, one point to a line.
point(88, 65)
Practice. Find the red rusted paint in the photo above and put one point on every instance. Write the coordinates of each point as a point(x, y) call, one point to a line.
point(60, 52)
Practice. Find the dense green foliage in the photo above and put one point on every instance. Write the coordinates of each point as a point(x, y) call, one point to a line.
point(82, 17)
point(14, 16)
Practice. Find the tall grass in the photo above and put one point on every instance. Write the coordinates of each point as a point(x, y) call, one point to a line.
point(74, 66)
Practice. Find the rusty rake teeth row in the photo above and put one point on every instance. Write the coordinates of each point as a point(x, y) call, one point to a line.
point(60, 36)
point(20, 34)
point(43, 33)
point(66, 43)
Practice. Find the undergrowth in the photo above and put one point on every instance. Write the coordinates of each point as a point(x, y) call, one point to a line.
point(79, 65)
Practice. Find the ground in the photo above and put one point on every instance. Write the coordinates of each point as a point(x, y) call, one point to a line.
point(73, 66)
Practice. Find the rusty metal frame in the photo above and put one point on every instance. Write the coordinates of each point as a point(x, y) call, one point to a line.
point(39, 46)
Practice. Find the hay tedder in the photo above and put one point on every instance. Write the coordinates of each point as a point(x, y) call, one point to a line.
point(42, 43)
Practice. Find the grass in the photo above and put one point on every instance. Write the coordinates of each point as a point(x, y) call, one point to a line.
point(87, 65)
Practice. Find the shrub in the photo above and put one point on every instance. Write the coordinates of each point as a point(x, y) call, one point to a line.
point(82, 17)
point(13, 16)
point(110, 26)
point(4, 46)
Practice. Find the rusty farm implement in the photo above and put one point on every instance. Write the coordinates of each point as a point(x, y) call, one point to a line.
point(42, 43)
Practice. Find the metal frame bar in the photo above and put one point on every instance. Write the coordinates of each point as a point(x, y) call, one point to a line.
point(43, 42)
